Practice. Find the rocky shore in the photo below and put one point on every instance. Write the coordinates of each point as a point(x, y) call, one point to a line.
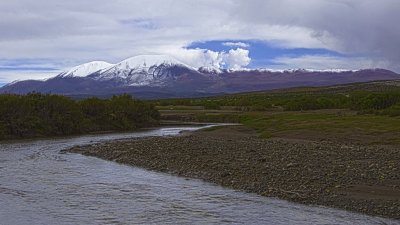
point(361, 178)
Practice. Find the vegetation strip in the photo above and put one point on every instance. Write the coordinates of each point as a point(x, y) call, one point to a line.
point(38, 115)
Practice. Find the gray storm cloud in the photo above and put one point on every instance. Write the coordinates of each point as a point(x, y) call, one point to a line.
point(350, 26)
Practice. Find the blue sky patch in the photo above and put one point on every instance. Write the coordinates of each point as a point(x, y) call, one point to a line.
point(262, 53)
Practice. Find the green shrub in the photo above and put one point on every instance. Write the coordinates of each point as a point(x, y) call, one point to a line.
point(211, 105)
point(374, 101)
point(392, 111)
point(35, 115)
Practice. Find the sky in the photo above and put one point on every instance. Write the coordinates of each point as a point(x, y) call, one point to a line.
point(41, 38)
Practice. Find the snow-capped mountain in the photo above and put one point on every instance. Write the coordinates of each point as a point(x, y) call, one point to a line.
point(161, 76)
point(144, 70)
point(85, 69)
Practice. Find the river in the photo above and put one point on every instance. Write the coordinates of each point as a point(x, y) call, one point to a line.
point(41, 185)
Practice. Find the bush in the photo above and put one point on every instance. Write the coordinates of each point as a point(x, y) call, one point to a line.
point(218, 118)
point(35, 115)
point(392, 111)
point(211, 105)
point(312, 103)
point(374, 101)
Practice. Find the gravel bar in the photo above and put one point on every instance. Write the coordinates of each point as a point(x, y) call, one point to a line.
point(360, 178)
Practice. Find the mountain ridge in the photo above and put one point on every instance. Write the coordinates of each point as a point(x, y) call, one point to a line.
point(162, 76)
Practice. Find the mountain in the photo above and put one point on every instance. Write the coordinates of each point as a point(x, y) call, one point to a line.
point(85, 69)
point(143, 70)
point(161, 76)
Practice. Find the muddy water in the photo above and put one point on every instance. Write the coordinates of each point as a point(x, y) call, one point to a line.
point(40, 185)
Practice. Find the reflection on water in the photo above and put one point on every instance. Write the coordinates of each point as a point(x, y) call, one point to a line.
point(39, 185)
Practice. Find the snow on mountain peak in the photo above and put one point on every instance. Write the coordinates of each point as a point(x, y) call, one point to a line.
point(146, 61)
point(209, 69)
point(86, 69)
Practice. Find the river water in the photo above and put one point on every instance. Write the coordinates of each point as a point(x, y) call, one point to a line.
point(40, 185)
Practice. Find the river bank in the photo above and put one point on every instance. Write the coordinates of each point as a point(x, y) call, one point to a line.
point(361, 178)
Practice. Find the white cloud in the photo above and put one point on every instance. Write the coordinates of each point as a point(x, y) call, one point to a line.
point(197, 57)
point(233, 59)
point(236, 59)
point(236, 44)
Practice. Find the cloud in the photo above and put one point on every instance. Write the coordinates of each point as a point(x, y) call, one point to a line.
point(9, 76)
point(84, 29)
point(233, 59)
point(323, 62)
point(24, 69)
point(75, 32)
point(236, 44)
point(236, 59)
point(361, 27)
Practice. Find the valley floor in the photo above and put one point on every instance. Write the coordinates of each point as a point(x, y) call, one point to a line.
point(361, 177)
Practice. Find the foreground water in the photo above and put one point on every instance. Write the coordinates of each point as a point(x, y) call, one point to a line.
point(40, 185)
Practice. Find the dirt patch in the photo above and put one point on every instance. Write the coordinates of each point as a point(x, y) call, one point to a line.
point(376, 192)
